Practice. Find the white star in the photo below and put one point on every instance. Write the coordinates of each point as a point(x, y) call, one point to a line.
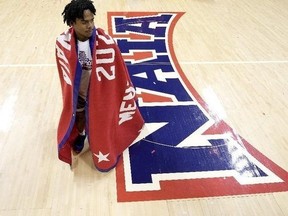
point(102, 157)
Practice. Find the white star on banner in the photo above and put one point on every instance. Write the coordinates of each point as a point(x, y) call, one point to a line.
point(102, 157)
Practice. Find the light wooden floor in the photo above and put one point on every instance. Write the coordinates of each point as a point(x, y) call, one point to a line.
point(237, 49)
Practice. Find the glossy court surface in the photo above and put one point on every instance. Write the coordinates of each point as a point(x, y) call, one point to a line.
point(211, 78)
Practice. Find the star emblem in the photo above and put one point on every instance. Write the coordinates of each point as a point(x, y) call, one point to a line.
point(102, 157)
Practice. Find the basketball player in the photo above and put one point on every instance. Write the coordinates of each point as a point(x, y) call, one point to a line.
point(79, 14)
point(98, 96)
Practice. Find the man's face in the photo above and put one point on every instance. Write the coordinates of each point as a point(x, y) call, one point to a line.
point(84, 27)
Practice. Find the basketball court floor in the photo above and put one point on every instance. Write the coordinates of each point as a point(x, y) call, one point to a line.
point(217, 130)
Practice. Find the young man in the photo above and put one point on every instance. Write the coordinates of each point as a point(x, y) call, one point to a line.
point(80, 15)
point(98, 96)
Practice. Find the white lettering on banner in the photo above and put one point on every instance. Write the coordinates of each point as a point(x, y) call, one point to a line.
point(108, 40)
point(60, 54)
point(125, 117)
point(62, 60)
point(131, 93)
point(64, 39)
point(105, 56)
point(110, 59)
point(109, 76)
point(128, 105)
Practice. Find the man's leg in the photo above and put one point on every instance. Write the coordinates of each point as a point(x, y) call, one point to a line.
point(80, 125)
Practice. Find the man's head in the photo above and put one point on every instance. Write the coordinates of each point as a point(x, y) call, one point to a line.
point(80, 15)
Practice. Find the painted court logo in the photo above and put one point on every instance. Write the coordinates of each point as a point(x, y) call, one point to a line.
point(187, 152)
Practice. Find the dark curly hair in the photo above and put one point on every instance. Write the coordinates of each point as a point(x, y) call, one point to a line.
point(75, 10)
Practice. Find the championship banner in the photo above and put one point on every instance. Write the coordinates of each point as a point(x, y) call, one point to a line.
point(186, 151)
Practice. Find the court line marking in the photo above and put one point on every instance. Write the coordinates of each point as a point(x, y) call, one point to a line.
point(26, 65)
point(180, 62)
point(233, 62)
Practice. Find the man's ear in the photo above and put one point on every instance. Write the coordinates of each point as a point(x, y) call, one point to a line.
point(72, 23)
